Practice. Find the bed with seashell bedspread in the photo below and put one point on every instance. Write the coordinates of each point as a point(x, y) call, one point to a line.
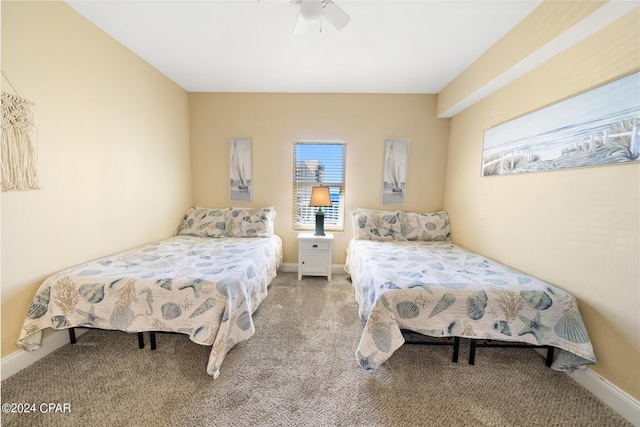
point(207, 288)
point(436, 288)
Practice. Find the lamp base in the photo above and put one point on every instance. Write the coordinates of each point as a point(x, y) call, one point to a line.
point(319, 223)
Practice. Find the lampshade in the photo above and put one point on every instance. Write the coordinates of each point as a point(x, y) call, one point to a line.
point(320, 196)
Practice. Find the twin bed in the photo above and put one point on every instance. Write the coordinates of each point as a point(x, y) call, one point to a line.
point(209, 278)
point(407, 275)
point(205, 282)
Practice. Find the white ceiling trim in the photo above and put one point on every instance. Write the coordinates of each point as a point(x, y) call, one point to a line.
point(591, 24)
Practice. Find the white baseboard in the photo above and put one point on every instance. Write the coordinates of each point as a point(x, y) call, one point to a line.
point(19, 360)
point(288, 267)
point(614, 397)
point(618, 400)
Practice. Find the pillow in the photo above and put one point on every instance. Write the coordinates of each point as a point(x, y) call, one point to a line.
point(203, 222)
point(400, 226)
point(250, 222)
point(375, 225)
point(423, 226)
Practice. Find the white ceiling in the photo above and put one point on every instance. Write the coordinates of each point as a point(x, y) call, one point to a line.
point(389, 46)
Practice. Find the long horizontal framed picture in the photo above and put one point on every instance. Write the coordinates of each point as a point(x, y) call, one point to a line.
point(595, 128)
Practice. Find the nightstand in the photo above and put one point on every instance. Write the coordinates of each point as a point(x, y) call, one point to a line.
point(314, 255)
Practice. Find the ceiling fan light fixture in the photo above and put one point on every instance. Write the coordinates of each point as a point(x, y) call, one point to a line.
point(312, 12)
point(303, 26)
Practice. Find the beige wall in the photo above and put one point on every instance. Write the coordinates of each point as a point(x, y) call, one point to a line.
point(274, 121)
point(114, 159)
point(577, 229)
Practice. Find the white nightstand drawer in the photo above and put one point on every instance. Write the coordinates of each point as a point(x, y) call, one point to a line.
point(315, 246)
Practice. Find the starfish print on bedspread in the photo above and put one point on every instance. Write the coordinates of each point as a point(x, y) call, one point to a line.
point(90, 318)
point(534, 327)
point(196, 284)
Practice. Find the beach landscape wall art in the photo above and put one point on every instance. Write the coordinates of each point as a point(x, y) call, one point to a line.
point(595, 128)
point(240, 182)
point(395, 171)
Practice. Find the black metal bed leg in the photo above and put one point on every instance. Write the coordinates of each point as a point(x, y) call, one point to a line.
point(152, 338)
point(549, 359)
point(472, 352)
point(140, 340)
point(456, 349)
point(72, 335)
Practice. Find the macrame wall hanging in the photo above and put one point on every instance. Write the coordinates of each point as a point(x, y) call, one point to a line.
point(19, 149)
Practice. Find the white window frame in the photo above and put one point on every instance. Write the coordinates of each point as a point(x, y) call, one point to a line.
point(303, 217)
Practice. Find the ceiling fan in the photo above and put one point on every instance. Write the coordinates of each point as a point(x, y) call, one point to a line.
point(312, 13)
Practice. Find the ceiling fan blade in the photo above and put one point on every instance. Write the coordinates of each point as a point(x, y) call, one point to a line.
point(336, 16)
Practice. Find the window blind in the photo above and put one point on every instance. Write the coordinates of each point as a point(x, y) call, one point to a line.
point(316, 163)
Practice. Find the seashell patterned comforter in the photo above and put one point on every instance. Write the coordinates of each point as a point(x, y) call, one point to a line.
point(443, 290)
point(204, 287)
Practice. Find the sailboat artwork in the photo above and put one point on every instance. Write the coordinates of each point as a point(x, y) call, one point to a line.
point(240, 170)
point(395, 171)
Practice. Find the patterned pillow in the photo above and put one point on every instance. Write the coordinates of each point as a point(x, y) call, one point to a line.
point(203, 222)
point(375, 225)
point(250, 222)
point(423, 226)
point(399, 225)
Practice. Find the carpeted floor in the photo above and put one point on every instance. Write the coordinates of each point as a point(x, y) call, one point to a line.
point(299, 369)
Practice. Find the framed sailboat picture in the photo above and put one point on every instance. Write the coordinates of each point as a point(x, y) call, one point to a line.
point(395, 171)
point(240, 182)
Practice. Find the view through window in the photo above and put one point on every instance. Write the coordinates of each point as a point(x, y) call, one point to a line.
point(318, 163)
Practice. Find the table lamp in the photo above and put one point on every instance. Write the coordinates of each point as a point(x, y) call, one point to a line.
point(320, 197)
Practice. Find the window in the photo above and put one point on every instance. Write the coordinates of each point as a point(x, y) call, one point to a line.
point(315, 163)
